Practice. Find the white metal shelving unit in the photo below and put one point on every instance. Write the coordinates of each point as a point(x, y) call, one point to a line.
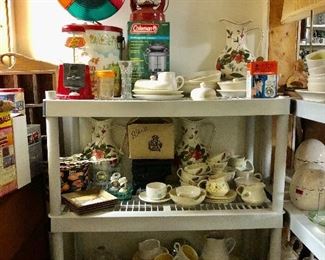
point(309, 233)
point(137, 216)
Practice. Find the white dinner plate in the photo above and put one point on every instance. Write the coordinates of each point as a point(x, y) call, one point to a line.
point(232, 93)
point(157, 92)
point(311, 95)
point(159, 97)
point(143, 197)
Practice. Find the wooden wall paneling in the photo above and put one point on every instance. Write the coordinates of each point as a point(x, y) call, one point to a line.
point(282, 41)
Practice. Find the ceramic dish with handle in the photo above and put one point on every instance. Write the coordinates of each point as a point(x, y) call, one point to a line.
point(185, 201)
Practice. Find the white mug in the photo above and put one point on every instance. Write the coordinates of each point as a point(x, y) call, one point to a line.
point(150, 248)
point(157, 190)
point(252, 194)
point(170, 77)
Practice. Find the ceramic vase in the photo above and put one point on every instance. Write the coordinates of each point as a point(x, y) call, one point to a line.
point(191, 149)
point(215, 248)
point(233, 59)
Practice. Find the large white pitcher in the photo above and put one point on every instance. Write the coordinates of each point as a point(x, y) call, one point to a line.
point(215, 248)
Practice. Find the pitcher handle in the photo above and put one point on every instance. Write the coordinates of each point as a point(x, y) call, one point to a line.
point(230, 244)
point(181, 80)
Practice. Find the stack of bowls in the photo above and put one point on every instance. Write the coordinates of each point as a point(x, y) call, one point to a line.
point(316, 80)
point(233, 88)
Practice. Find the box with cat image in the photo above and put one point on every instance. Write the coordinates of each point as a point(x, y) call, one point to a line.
point(151, 138)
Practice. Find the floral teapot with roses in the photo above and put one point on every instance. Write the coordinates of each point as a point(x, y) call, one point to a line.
point(233, 59)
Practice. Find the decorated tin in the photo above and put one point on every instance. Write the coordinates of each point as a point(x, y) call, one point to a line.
point(16, 96)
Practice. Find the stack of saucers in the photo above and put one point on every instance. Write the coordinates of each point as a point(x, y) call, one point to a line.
point(155, 90)
point(316, 79)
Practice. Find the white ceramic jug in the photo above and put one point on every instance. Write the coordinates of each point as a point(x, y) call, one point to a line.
point(215, 248)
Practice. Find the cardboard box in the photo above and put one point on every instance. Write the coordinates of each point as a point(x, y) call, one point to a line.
point(151, 140)
point(8, 178)
point(148, 47)
point(262, 80)
point(21, 150)
point(34, 139)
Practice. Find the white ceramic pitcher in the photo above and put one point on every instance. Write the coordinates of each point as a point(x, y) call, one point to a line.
point(215, 248)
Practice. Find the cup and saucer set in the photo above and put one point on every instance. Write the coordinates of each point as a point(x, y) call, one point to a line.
point(156, 192)
point(166, 87)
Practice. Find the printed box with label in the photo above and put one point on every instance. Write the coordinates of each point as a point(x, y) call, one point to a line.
point(151, 139)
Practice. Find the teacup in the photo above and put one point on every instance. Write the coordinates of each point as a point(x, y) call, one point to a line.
point(240, 163)
point(170, 77)
point(185, 252)
point(252, 194)
point(150, 248)
point(229, 172)
point(157, 190)
point(187, 177)
point(221, 157)
point(189, 191)
point(217, 166)
point(216, 186)
point(197, 168)
point(248, 174)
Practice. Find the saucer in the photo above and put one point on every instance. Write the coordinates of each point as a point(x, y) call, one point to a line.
point(143, 197)
point(315, 96)
point(159, 97)
point(229, 197)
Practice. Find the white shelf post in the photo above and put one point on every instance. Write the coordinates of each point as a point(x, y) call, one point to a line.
point(250, 137)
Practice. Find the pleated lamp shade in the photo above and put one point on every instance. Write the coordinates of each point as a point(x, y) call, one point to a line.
point(295, 10)
point(92, 10)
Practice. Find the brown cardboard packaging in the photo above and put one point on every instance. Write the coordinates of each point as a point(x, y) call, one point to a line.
point(151, 139)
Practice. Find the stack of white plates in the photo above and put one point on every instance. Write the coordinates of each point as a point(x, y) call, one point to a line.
point(316, 79)
point(155, 90)
point(157, 94)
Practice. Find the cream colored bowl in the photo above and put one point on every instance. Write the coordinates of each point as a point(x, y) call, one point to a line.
point(317, 71)
point(316, 86)
point(233, 85)
point(316, 59)
point(187, 202)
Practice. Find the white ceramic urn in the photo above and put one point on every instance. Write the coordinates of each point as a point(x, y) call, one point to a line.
point(307, 187)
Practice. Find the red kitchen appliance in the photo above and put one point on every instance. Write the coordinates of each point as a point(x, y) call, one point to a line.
point(74, 80)
point(148, 10)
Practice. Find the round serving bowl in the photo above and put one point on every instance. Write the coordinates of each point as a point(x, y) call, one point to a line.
point(234, 84)
point(317, 71)
point(316, 59)
point(185, 201)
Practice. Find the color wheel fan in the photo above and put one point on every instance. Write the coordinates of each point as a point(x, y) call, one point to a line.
point(92, 10)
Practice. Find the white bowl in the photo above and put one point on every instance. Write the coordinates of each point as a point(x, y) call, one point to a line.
point(315, 86)
point(233, 93)
point(187, 202)
point(310, 151)
point(232, 85)
point(189, 191)
point(317, 71)
point(317, 79)
point(316, 59)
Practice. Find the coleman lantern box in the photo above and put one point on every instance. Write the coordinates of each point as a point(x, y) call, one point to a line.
point(148, 47)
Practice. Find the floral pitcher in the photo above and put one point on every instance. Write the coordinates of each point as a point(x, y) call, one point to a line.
point(191, 149)
point(235, 56)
